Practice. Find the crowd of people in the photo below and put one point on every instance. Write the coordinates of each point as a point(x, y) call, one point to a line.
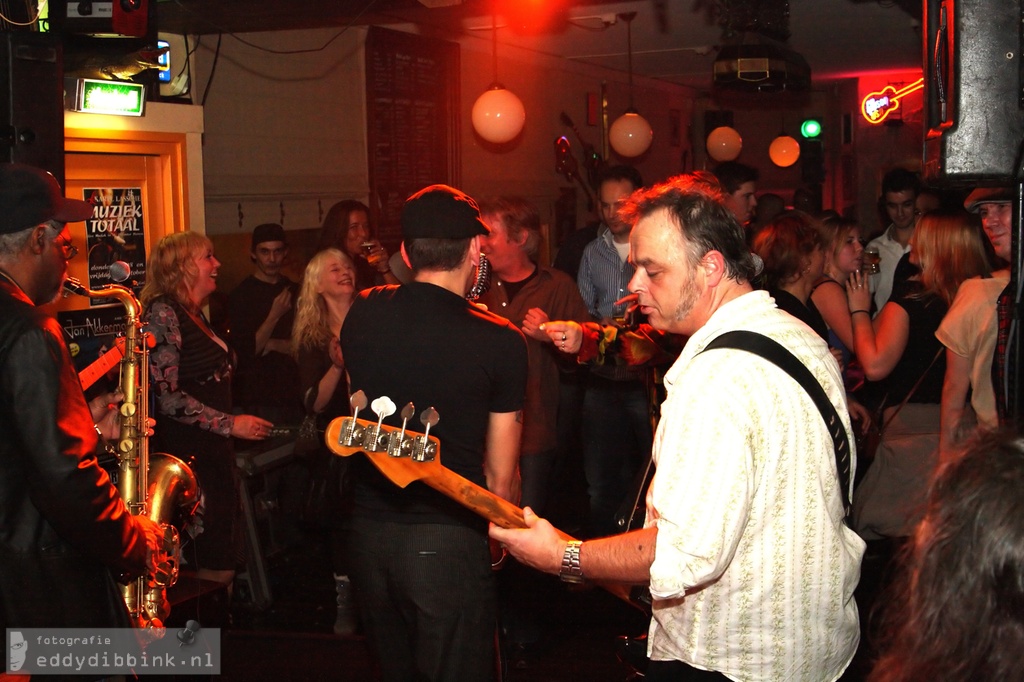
point(749, 547)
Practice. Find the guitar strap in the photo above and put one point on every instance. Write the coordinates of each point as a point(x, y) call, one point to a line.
point(770, 350)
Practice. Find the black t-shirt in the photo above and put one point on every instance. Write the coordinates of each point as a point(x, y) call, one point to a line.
point(423, 344)
point(808, 314)
point(270, 381)
point(925, 313)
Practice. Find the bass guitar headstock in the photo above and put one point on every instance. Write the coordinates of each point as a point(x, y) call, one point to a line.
point(400, 454)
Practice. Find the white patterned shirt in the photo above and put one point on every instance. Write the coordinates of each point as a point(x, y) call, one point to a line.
point(890, 252)
point(754, 569)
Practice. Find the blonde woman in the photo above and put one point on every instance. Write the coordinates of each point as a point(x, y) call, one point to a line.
point(190, 376)
point(843, 257)
point(328, 289)
point(899, 345)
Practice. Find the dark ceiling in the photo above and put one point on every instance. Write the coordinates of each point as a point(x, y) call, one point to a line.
point(673, 40)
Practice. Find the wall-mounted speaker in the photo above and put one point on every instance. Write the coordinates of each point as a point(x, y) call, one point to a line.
point(32, 101)
point(973, 90)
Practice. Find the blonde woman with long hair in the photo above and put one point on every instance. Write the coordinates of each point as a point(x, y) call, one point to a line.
point(328, 289)
point(190, 376)
point(842, 258)
point(899, 346)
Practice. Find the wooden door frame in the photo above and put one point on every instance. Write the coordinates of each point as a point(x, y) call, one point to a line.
point(172, 133)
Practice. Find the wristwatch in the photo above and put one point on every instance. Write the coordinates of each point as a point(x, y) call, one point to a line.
point(571, 572)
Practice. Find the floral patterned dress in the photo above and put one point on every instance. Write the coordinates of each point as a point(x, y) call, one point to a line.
point(190, 376)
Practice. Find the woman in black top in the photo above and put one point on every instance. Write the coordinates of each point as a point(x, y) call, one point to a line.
point(899, 346)
point(328, 289)
point(347, 228)
point(792, 249)
point(190, 376)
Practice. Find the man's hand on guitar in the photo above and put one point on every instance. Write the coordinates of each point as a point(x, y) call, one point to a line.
point(538, 545)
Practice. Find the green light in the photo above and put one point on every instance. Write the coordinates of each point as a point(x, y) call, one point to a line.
point(810, 128)
point(110, 97)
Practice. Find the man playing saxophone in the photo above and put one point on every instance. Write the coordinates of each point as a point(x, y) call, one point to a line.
point(64, 531)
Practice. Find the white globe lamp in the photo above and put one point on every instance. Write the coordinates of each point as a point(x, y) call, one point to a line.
point(724, 144)
point(498, 115)
point(784, 151)
point(630, 135)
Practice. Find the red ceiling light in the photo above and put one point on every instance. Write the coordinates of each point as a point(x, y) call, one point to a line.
point(534, 16)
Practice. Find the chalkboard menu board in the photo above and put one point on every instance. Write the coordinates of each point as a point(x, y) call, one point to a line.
point(412, 105)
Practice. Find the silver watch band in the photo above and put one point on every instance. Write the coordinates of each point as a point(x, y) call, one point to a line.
point(571, 571)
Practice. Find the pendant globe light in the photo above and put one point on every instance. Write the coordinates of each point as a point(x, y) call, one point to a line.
point(630, 134)
point(498, 115)
point(784, 151)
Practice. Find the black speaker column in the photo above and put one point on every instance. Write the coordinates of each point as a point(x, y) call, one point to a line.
point(32, 101)
point(973, 90)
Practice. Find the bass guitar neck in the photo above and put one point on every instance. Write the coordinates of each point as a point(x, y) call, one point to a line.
point(405, 456)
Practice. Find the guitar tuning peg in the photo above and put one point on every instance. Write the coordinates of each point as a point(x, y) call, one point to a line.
point(397, 439)
point(429, 417)
point(383, 407)
point(357, 400)
point(424, 450)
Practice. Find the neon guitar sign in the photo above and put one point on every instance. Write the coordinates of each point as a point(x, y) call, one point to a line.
point(877, 106)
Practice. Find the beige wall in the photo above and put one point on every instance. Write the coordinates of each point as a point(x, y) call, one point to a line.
point(284, 133)
point(288, 129)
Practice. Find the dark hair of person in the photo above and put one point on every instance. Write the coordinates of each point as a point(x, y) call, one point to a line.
point(733, 174)
point(695, 206)
point(335, 226)
point(769, 206)
point(517, 215)
point(956, 610)
point(901, 180)
point(785, 245)
point(619, 173)
point(442, 255)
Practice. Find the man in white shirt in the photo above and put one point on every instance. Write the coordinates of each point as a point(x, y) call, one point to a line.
point(751, 567)
point(900, 188)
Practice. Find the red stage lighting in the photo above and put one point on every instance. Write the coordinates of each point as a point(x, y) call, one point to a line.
point(535, 16)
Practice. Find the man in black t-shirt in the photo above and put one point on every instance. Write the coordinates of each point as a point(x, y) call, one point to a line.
point(261, 314)
point(420, 561)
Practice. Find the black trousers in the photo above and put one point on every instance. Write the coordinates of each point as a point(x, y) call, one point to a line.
point(426, 597)
point(677, 671)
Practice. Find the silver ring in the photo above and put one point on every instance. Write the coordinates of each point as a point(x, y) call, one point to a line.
point(563, 337)
point(563, 345)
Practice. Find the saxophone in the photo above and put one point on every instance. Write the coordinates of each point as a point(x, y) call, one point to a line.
point(155, 487)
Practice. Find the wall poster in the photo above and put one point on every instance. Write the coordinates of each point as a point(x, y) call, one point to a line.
point(115, 233)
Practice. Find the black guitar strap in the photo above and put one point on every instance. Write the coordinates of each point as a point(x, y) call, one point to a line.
point(759, 344)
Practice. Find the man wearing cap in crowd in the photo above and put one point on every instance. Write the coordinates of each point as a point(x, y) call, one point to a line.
point(260, 315)
point(968, 331)
point(64, 530)
point(420, 562)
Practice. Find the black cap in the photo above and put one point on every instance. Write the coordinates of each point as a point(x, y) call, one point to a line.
point(989, 195)
point(268, 232)
point(441, 212)
point(30, 196)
